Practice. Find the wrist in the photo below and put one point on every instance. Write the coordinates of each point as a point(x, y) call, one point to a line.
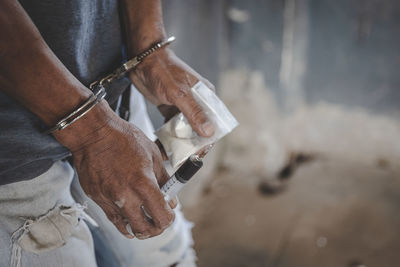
point(143, 24)
point(89, 129)
point(152, 60)
point(143, 39)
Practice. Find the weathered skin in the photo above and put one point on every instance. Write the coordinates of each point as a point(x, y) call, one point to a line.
point(114, 160)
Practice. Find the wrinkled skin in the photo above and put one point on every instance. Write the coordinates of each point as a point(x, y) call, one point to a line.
point(121, 172)
point(166, 81)
point(118, 166)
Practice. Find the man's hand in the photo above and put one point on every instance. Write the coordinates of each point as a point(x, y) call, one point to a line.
point(121, 170)
point(166, 80)
point(162, 77)
point(117, 165)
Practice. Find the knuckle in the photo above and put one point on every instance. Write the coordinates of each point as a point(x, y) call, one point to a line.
point(143, 186)
point(166, 221)
point(117, 196)
point(182, 92)
point(139, 228)
point(177, 93)
point(197, 114)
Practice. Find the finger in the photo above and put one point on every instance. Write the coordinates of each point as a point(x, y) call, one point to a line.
point(173, 203)
point(179, 94)
point(160, 172)
point(154, 203)
point(162, 178)
point(162, 150)
point(195, 114)
point(137, 222)
point(113, 215)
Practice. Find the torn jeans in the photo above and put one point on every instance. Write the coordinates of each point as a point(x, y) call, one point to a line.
point(174, 245)
point(41, 223)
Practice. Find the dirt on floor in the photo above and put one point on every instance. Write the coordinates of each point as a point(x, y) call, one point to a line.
point(319, 187)
point(331, 213)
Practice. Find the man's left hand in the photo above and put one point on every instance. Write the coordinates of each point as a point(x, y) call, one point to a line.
point(165, 79)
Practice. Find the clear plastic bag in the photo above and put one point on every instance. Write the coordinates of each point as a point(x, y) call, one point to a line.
point(177, 136)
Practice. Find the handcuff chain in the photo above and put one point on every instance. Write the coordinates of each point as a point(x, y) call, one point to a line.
point(130, 64)
point(98, 90)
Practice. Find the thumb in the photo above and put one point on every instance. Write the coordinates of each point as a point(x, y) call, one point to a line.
point(195, 115)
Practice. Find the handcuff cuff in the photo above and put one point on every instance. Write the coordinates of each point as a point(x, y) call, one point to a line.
point(97, 87)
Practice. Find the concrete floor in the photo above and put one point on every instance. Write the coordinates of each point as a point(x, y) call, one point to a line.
point(333, 213)
point(340, 208)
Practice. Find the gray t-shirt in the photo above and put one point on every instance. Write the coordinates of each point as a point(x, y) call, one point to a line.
point(86, 37)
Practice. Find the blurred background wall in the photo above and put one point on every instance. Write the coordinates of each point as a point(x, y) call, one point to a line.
point(341, 51)
point(311, 176)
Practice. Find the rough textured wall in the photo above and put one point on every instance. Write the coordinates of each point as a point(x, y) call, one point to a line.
point(354, 55)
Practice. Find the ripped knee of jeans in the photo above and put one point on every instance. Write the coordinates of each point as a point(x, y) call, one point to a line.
point(47, 232)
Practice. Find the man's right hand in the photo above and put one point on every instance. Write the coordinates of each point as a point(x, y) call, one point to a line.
point(121, 170)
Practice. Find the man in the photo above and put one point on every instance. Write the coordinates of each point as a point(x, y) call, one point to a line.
point(50, 52)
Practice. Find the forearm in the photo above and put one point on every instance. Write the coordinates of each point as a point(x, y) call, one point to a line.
point(143, 24)
point(29, 70)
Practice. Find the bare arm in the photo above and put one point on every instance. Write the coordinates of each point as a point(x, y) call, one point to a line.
point(118, 167)
point(30, 72)
point(143, 24)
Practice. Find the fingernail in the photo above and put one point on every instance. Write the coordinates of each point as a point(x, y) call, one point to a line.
point(171, 222)
point(142, 236)
point(208, 129)
point(129, 230)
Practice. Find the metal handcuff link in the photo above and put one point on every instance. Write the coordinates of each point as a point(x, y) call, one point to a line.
point(98, 89)
point(130, 64)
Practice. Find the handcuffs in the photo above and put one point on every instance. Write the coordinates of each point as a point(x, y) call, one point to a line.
point(97, 87)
